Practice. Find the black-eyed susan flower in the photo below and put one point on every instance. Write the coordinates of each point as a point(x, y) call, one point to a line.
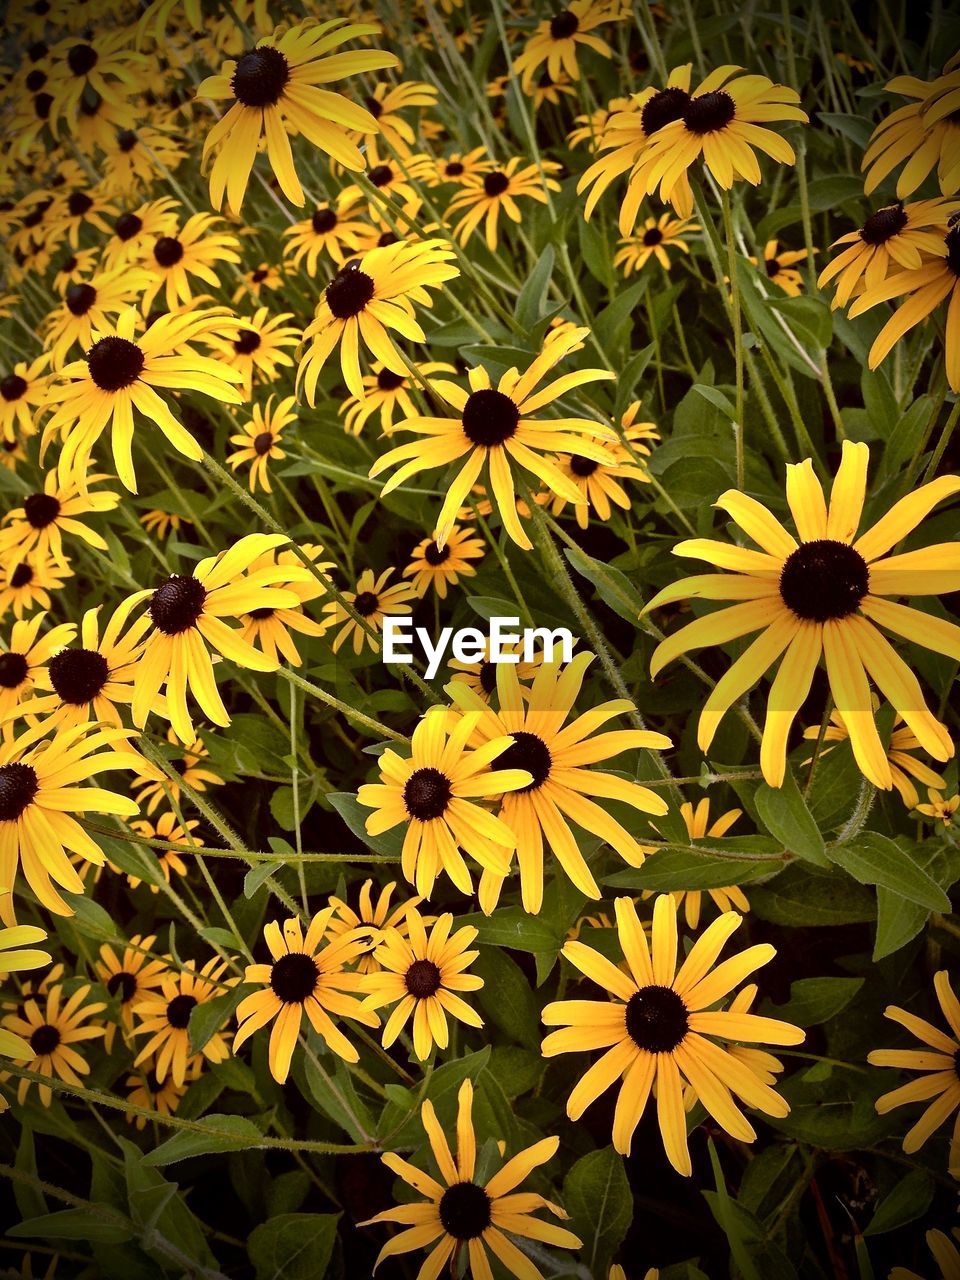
point(373, 600)
point(825, 594)
point(22, 392)
point(162, 1096)
point(387, 102)
point(100, 65)
point(656, 1026)
point(24, 658)
point(192, 765)
point(258, 440)
point(923, 133)
point(269, 629)
point(164, 1016)
point(780, 266)
point(463, 1219)
point(332, 230)
point(657, 238)
point(497, 426)
point(259, 349)
point(175, 836)
point(558, 39)
point(188, 613)
point(434, 793)
point(275, 87)
point(548, 90)
point(898, 235)
point(135, 231)
point(193, 250)
point(70, 213)
point(139, 158)
point(369, 296)
point(39, 796)
point(386, 393)
point(264, 278)
point(940, 808)
point(462, 167)
point(497, 192)
point(698, 824)
point(306, 975)
point(73, 267)
point(128, 976)
point(52, 1026)
point(599, 483)
point(393, 179)
point(939, 1082)
point(38, 526)
point(122, 371)
point(439, 567)
point(162, 523)
point(87, 308)
point(422, 975)
point(26, 584)
point(556, 759)
point(374, 916)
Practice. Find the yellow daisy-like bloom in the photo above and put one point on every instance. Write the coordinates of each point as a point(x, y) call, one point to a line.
point(697, 822)
point(137, 230)
point(51, 1032)
point(72, 212)
point(163, 523)
point(188, 612)
point(498, 191)
point(468, 1219)
point(589, 127)
point(372, 600)
point(139, 158)
point(422, 974)
point(22, 392)
point(273, 88)
point(24, 659)
point(164, 1016)
point(434, 566)
point(939, 1083)
point(495, 426)
point(387, 392)
point(269, 628)
point(162, 1096)
point(481, 676)
point(194, 250)
point(122, 372)
point(393, 180)
point(462, 168)
point(258, 440)
point(898, 235)
point(434, 793)
point(599, 482)
point(334, 231)
point(657, 236)
point(722, 122)
point(824, 594)
point(306, 975)
point(169, 828)
point(27, 584)
point(128, 977)
point(923, 133)
point(936, 281)
point(904, 767)
point(367, 297)
point(780, 267)
point(259, 280)
point(657, 1028)
point(257, 350)
point(940, 808)
point(38, 526)
point(546, 89)
point(87, 308)
point(38, 796)
point(74, 267)
point(556, 40)
point(375, 916)
point(154, 786)
point(556, 758)
point(103, 64)
point(385, 105)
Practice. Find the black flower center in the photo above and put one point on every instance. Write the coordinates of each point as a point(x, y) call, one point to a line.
point(260, 275)
point(495, 184)
point(260, 77)
point(247, 342)
point(168, 251)
point(709, 112)
point(656, 1019)
point(436, 555)
point(21, 576)
point(422, 979)
point(488, 676)
point(349, 292)
point(115, 363)
point(125, 983)
point(36, 80)
point(385, 238)
point(44, 1040)
point(18, 786)
point(38, 50)
point(35, 216)
point(127, 140)
point(374, 107)
point(663, 108)
point(652, 236)
point(454, 169)
point(583, 467)
point(262, 444)
point(426, 793)
point(465, 1211)
point(387, 380)
point(953, 250)
point(13, 670)
point(177, 603)
point(772, 267)
point(380, 175)
point(323, 220)
point(128, 225)
point(41, 106)
point(78, 675)
point(824, 579)
point(82, 58)
point(530, 752)
point(68, 264)
point(366, 603)
point(563, 25)
point(884, 224)
point(179, 1010)
point(260, 614)
point(79, 203)
point(80, 298)
point(41, 509)
point(489, 418)
point(13, 387)
point(294, 977)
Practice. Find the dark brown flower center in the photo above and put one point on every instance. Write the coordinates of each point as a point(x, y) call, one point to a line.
point(79, 203)
point(247, 342)
point(387, 380)
point(41, 106)
point(36, 80)
point(168, 251)
point(41, 509)
point(260, 275)
point(323, 220)
point(657, 1019)
point(385, 238)
point(374, 107)
point(465, 1211)
point(179, 1010)
point(115, 363)
point(80, 298)
point(68, 264)
point(294, 977)
point(127, 226)
point(127, 140)
point(366, 603)
point(495, 184)
point(13, 670)
point(177, 603)
point(663, 108)
point(349, 291)
point(454, 169)
point(772, 267)
point(652, 236)
point(528, 751)
point(82, 58)
point(380, 175)
point(436, 555)
point(13, 387)
point(78, 675)
point(262, 444)
point(260, 77)
point(563, 25)
point(18, 786)
point(123, 983)
point(489, 418)
point(953, 250)
point(488, 676)
point(583, 467)
point(422, 979)
point(426, 793)
point(824, 580)
point(709, 112)
point(21, 576)
point(884, 224)
point(44, 1040)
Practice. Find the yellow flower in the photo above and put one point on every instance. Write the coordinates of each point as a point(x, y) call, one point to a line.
point(372, 600)
point(164, 1016)
point(940, 808)
point(50, 1032)
point(434, 566)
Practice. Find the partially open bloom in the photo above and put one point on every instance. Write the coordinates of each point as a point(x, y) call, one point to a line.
point(557, 40)
point(498, 191)
point(38, 526)
point(258, 440)
point(128, 977)
point(259, 348)
point(698, 824)
point(385, 393)
point(434, 566)
point(655, 239)
point(173, 839)
point(22, 392)
point(375, 916)
point(269, 628)
point(942, 809)
point(905, 769)
point(780, 266)
point(923, 133)
point(373, 600)
point(164, 1016)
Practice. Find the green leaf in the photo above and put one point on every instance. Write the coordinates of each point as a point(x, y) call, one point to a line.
point(909, 1200)
point(512, 927)
point(857, 128)
point(106, 1227)
point(783, 811)
point(613, 587)
point(717, 399)
point(213, 1133)
point(803, 895)
point(533, 296)
point(355, 816)
point(898, 922)
point(875, 859)
point(815, 1000)
point(597, 1196)
point(671, 869)
point(90, 919)
point(293, 1246)
point(505, 998)
point(257, 877)
point(209, 1016)
point(595, 252)
point(607, 322)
